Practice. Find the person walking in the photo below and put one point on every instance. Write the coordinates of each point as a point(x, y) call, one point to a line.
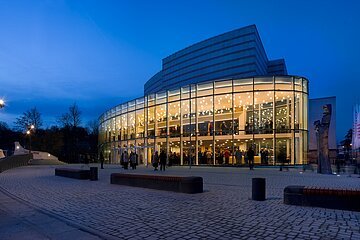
point(125, 160)
point(250, 155)
point(162, 160)
point(155, 160)
point(102, 160)
point(227, 156)
point(238, 156)
point(133, 160)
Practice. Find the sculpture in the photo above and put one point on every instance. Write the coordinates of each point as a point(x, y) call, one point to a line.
point(322, 138)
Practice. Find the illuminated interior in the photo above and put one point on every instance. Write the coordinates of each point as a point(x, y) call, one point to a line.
point(210, 123)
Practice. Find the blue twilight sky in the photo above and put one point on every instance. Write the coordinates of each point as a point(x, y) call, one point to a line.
point(100, 53)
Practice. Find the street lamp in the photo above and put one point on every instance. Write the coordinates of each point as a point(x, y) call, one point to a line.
point(2, 103)
point(30, 129)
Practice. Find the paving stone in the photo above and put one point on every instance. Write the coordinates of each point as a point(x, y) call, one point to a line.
point(223, 211)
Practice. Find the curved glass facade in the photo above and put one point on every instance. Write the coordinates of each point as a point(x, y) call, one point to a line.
point(211, 123)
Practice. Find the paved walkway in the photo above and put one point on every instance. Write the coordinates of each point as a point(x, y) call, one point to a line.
point(223, 211)
point(21, 221)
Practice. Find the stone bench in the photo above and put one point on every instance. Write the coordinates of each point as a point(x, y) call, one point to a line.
point(347, 199)
point(167, 183)
point(72, 173)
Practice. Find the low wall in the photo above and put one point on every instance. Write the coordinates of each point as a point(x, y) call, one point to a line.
point(167, 183)
point(343, 199)
point(72, 173)
point(14, 161)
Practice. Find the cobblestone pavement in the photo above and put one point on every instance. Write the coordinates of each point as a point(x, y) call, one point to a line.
point(223, 211)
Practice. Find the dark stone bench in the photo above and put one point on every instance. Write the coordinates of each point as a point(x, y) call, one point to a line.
point(347, 199)
point(167, 183)
point(72, 173)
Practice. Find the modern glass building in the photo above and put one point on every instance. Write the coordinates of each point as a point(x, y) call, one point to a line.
point(209, 120)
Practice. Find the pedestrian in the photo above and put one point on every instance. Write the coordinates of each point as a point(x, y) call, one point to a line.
point(125, 160)
point(250, 155)
point(208, 157)
point(102, 160)
point(238, 156)
point(262, 156)
point(155, 160)
point(227, 156)
point(162, 160)
point(133, 160)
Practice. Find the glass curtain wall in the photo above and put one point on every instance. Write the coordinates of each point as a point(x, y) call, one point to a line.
point(213, 123)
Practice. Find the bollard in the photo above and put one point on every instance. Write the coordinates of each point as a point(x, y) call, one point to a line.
point(93, 173)
point(258, 189)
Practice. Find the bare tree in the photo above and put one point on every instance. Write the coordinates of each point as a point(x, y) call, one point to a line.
point(71, 118)
point(92, 127)
point(30, 117)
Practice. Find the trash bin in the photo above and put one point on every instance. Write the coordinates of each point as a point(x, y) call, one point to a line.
point(258, 189)
point(93, 173)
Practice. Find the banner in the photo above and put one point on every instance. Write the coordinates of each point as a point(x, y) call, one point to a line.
point(356, 128)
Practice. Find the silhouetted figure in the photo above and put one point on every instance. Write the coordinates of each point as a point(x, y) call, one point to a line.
point(238, 156)
point(250, 156)
point(155, 160)
point(162, 160)
point(125, 160)
point(133, 160)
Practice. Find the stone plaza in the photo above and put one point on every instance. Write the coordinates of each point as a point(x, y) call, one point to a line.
point(86, 209)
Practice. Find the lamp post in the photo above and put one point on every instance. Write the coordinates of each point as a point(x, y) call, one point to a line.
point(30, 129)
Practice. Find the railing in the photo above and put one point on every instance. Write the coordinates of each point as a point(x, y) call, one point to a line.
point(14, 161)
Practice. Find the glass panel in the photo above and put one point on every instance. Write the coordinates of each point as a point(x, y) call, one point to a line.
point(283, 111)
point(283, 151)
point(240, 106)
point(205, 152)
point(205, 116)
point(185, 92)
point(223, 114)
point(205, 89)
point(160, 98)
point(223, 87)
point(264, 83)
point(298, 83)
point(113, 129)
point(243, 85)
point(131, 125)
point(124, 133)
point(140, 123)
point(161, 120)
point(283, 83)
point(249, 120)
point(140, 103)
point(131, 106)
point(264, 150)
point(174, 152)
point(174, 119)
point(151, 122)
point(304, 119)
point(124, 108)
point(305, 85)
point(140, 151)
point(174, 95)
point(298, 111)
point(189, 156)
point(150, 150)
point(151, 100)
point(118, 128)
point(223, 151)
point(188, 117)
